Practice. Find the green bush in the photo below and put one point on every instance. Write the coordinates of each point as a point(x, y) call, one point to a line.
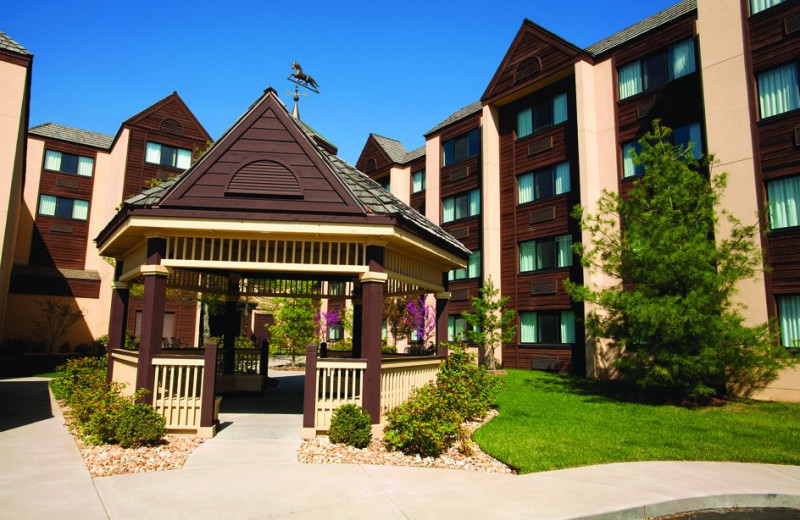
point(138, 424)
point(466, 388)
point(424, 424)
point(80, 376)
point(350, 425)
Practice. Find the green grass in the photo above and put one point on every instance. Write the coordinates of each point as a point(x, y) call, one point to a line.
point(549, 422)
point(50, 374)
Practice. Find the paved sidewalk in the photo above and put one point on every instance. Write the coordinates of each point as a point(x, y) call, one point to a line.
point(250, 470)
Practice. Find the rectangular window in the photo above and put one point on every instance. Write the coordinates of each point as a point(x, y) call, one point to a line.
point(756, 6)
point(550, 327)
point(543, 183)
point(456, 326)
point(68, 163)
point(165, 155)
point(789, 320)
point(336, 332)
point(461, 148)
point(418, 181)
point(63, 207)
point(778, 91)
point(473, 269)
point(783, 200)
point(384, 329)
point(658, 68)
point(545, 253)
point(461, 206)
point(629, 167)
point(385, 183)
point(541, 116)
point(337, 288)
point(689, 134)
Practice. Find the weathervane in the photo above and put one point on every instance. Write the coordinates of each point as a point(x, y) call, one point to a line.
point(300, 79)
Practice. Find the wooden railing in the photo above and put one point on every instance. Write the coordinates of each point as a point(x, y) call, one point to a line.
point(400, 376)
point(338, 382)
point(246, 361)
point(123, 365)
point(178, 390)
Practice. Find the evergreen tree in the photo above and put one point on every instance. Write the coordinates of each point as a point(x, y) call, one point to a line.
point(294, 326)
point(490, 322)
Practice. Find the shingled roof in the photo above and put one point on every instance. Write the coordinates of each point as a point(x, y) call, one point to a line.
point(72, 135)
point(646, 25)
point(8, 44)
point(456, 116)
point(393, 148)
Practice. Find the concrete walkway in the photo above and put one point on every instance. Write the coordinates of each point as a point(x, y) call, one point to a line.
point(250, 470)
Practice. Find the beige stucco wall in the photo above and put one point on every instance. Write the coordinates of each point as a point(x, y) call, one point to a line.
point(400, 183)
point(13, 109)
point(25, 309)
point(433, 161)
point(728, 127)
point(597, 151)
point(33, 174)
point(490, 194)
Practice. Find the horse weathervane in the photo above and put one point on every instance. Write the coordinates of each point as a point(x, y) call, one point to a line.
point(302, 79)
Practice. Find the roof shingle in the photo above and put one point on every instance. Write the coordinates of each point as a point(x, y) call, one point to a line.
point(72, 135)
point(8, 44)
point(456, 116)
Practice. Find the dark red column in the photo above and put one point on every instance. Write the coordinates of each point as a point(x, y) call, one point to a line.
point(442, 303)
point(155, 299)
point(232, 323)
point(372, 284)
point(119, 310)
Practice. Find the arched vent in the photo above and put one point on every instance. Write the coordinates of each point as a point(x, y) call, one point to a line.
point(171, 126)
point(265, 178)
point(527, 68)
point(371, 165)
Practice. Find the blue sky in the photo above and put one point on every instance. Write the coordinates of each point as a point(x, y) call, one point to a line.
point(395, 69)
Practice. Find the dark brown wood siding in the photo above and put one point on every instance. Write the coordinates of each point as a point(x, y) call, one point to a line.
point(185, 318)
point(373, 159)
point(28, 284)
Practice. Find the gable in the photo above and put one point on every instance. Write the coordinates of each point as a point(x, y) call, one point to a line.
point(170, 116)
point(534, 55)
point(373, 158)
point(264, 163)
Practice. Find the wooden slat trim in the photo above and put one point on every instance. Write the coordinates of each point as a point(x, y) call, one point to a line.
point(459, 294)
point(543, 215)
point(791, 24)
point(542, 145)
point(461, 173)
point(546, 287)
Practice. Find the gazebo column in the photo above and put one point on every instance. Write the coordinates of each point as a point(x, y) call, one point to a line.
point(120, 293)
point(442, 303)
point(372, 284)
point(155, 298)
point(231, 324)
point(358, 321)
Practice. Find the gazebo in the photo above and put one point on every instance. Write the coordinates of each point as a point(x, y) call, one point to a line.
point(270, 210)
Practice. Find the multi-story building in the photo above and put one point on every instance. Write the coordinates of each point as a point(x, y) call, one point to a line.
point(554, 128)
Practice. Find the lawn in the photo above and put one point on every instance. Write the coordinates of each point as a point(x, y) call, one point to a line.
point(549, 422)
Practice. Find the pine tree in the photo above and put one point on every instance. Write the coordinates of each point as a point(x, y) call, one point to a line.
point(490, 323)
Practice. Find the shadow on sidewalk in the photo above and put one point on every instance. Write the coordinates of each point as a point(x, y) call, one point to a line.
point(285, 398)
point(22, 403)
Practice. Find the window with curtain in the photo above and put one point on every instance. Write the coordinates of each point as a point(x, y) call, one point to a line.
point(418, 181)
point(547, 327)
point(461, 148)
point(165, 155)
point(778, 91)
point(541, 116)
point(473, 269)
point(336, 332)
point(789, 320)
point(629, 168)
point(384, 329)
point(543, 183)
point(684, 135)
point(385, 183)
point(460, 206)
point(545, 253)
point(456, 326)
point(63, 207)
point(783, 201)
point(756, 6)
point(68, 163)
point(656, 69)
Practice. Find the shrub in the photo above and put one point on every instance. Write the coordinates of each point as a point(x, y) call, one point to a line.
point(350, 425)
point(137, 424)
point(424, 424)
point(243, 342)
point(466, 388)
point(80, 376)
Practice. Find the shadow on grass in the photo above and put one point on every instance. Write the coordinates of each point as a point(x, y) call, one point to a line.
point(594, 391)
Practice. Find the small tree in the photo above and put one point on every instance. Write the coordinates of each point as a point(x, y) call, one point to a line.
point(55, 320)
point(294, 326)
point(420, 318)
point(490, 322)
point(672, 315)
point(396, 314)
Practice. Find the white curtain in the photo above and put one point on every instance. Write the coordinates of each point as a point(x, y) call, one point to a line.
point(681, 59)
point(778, 90)
point(474, 269)
point(562, 178)
point(629, 168)
point(153, 153)
point(524, 122)
point(567, 327)
point(789, 313)
point(184, 159)
point(696, 139)
point(451, 328)
point(630, 79)
point(419, 181)
point(783, 198)
point(47, 205)
point(474, 202)
point(85, 165)
point(564, 251)
point(756, 6)
point(559, 109)
point(525, 188)
point(527, 253)
point(527, 327)
point(80, 209)
point(52, 160)
point(448, 209)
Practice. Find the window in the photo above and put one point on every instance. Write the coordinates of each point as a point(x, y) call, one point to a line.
point(456, 326)
point(545, 253)
point(385, 183)
point(63, 207)
point(783, 200)
point(384, 329)
point(335, 333)
point(789, 319)
point(168, 331)
point(541, 116)
point(543, 183)
point(778, 91)
point(68, 163)
point(756, 6)
point(672, 63)
point(461, 206)
point(629, 168)
point(337, 288)
point(461, 148)
point(418, 181)
point(168, 156)
point(547, 327)
point(683, 135)
point(473, 269)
